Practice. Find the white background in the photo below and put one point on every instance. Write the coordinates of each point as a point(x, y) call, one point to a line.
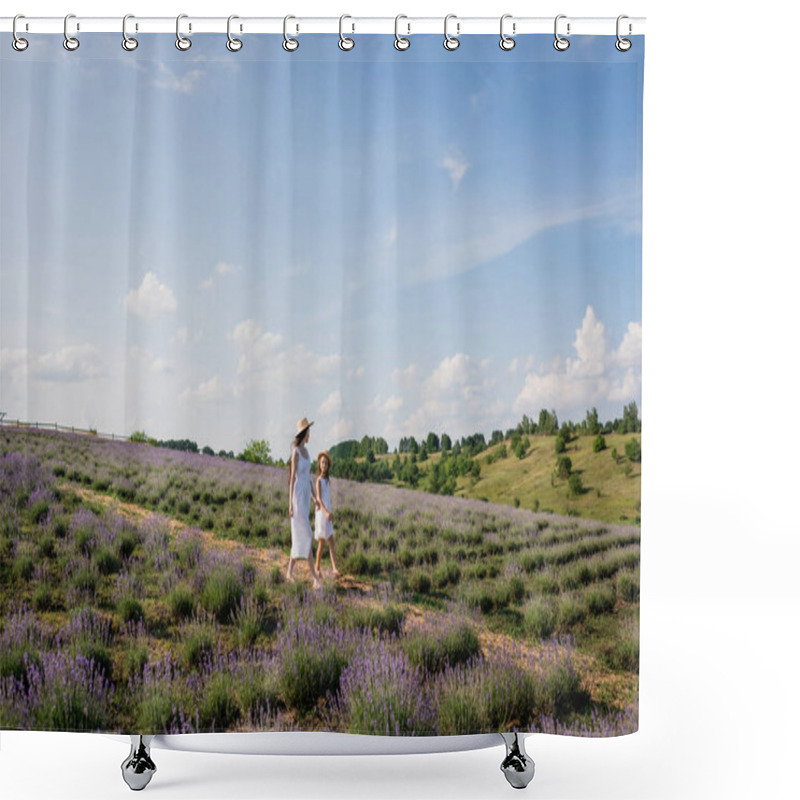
point(720, 601)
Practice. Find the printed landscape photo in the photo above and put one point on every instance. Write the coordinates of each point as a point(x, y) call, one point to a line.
point(347, 440)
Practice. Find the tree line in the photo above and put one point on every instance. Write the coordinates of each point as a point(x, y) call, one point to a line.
point(357, 459)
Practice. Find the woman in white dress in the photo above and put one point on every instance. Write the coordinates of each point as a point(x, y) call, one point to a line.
point(300, 494)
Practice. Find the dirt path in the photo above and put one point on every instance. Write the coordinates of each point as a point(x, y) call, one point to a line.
point(602, 684)
point(265, 558)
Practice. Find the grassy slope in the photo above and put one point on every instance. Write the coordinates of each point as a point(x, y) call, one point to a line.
point(529, 479)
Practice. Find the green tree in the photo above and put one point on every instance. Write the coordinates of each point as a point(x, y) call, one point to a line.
point(599, 443)
point(548, 422)
point(436, 478)
point(575, 485)
point(257, 451)
point(630, 419)
point(447, 443)
point(592, 422)
point(432, 443)
point(633, 450)
point(564, 467)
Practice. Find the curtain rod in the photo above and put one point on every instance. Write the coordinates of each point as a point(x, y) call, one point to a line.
point(513, 26)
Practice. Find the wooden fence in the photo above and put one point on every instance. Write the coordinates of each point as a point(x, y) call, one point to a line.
point(12, 423)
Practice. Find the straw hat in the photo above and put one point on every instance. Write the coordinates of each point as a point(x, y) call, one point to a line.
point(327, 455)
point(303, 424)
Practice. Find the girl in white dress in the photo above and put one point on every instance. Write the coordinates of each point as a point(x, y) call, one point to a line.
point(323, 520)
point(300, 493)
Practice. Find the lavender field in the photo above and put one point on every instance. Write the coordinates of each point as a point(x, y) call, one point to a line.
point(142, 590)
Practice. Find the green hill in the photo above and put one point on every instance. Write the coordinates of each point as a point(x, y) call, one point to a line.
point(611, 489)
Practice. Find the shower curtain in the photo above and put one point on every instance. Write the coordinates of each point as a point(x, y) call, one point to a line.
point(320, 385)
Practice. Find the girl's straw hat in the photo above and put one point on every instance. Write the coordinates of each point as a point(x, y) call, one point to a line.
point(327, 455)
point(303, 424)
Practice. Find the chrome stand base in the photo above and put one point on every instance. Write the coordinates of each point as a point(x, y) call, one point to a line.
point(138, 768)
point(517, 766)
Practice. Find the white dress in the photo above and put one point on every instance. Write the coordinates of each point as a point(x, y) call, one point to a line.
point(301, 500)
point(323, 527)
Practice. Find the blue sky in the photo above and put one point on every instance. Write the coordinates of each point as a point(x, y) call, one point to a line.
point(212, 245)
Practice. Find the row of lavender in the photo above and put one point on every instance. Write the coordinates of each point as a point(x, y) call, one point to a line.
point(134, 630)
point(541, 574)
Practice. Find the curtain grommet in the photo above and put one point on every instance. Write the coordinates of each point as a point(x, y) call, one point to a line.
point(128, 42)
point(561, 43)
point(622, 44)
point(233, 44)
point(451, 42)
point(401, 43)
point(182, 42)
point(70, 42)
point(507, 42)
point(17, 42)
point(289, 43)
point(345, 42)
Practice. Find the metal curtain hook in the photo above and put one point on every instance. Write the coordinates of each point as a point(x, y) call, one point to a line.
point(345, 43)
point(451, 42)
point(18, 43)
point(289, 44)
point(70, 42)
point(400, 42)
point(507, 42)
point(233, 44)
point(623, 45)
point(181, 42)
point(128, 42)
point(560, 43)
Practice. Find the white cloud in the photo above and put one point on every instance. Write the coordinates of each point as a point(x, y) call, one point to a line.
point(264, 361)
point(210, 391)
point(343, 429)
point(254, 345)
point(390, 405)
point(405, 377)
point(513, 366)
point(593, 378)
point(148, 359)
point(69, 363)
point(177, 83)
point(222, 268)
point(13, 361)
point(495, 232)
point(183, 336)
point(332, 404)
point(151, 299)
point(458, 397)
point(458, 374)
point(629, 353)
point(358, 372)
point(590, 345)
point(456, 165)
